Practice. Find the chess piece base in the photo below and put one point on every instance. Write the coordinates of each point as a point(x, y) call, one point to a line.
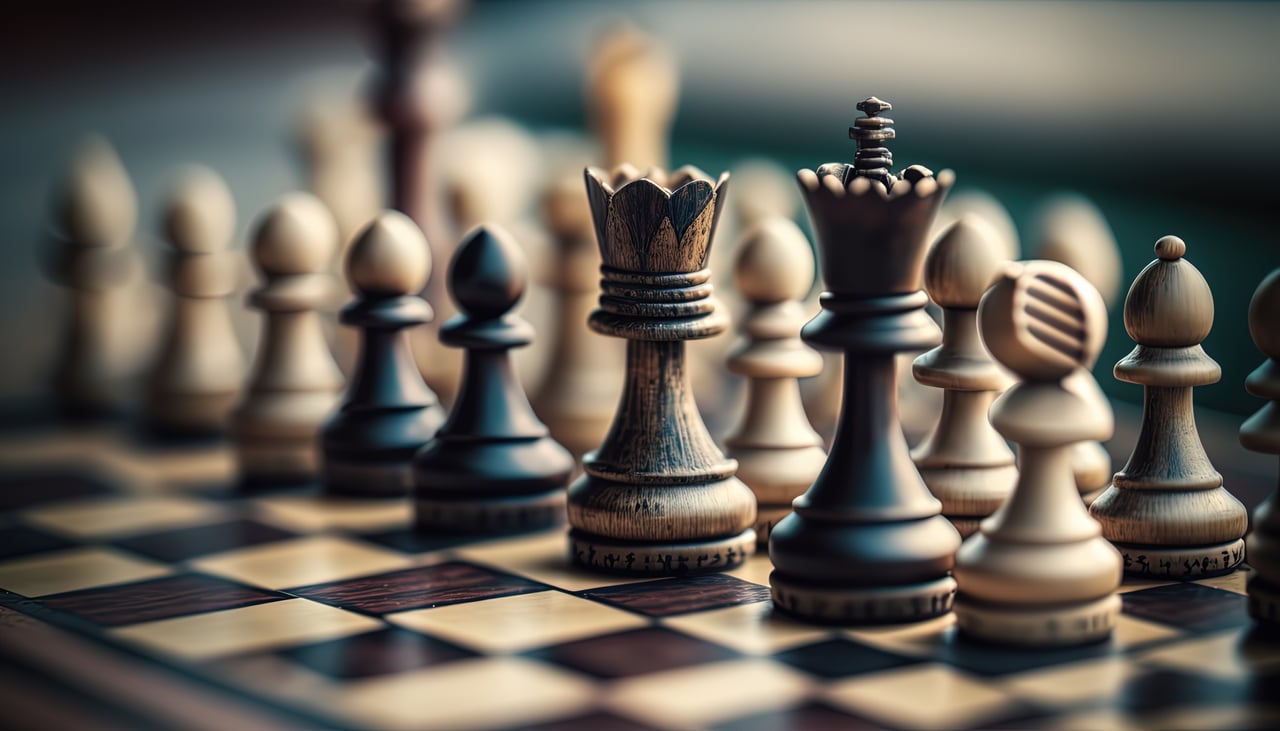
point(1058, 625)
point(1181, 563)
point(968, 492)
point(1264, 601)
point(392, 478)
point(660, 558)
point(490, 515)
point(862, 605)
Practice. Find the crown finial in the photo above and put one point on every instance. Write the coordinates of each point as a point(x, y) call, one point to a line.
point(873, 160)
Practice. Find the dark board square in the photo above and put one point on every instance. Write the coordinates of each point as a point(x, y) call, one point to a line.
point(423, 586)
point(986, 658)
point(18, 492)
point(382, 652)
point(1188, 606)
point(839, 658)
point(669, 597)
point(601, 721)
point(1166, 689)
point(809, 717)
point(145, 601)
point(634, 652)
point(21, 540)
point(182, 544)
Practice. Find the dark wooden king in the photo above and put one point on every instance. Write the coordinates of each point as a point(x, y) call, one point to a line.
point(867, 542)
point(658, 496)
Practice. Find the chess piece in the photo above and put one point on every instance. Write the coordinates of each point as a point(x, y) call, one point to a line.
point(981, 204)
point(867, 542)
point(779, 454)
point(1167, 510)
point(579, 393)
point(1069, 228)
point(96, 213)
point(197, 378)
point(295, 382)
point(632, 89)
point(963, 461)
point(658, 496)
point(338, 144)
point(492, 466)
point(1038, 572)
point(389, 412)
point(1261, 433)
point(419, 93)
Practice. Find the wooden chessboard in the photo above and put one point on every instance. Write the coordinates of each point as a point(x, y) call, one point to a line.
point(139, 591)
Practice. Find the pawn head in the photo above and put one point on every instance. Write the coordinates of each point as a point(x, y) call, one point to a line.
point(775, 262)
point(487, 274)
point(99, 206)
point(389, 257)
point(1169, 304)
point(1042, 320)
point(201, 215)
point(296, 236)
point(962, 263)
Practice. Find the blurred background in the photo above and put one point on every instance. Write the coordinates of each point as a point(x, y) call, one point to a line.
point(1162, 114)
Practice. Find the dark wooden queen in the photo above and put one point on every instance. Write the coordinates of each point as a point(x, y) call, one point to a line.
point(867, 542)
point(658, 496)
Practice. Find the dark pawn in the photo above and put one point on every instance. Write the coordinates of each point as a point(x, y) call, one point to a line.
point(493, 466)
point(389, 412)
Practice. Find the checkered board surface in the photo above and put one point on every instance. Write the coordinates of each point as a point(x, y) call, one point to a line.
point(332, 612)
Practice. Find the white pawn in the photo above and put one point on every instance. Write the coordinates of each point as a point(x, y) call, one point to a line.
point(1039, 572)
point(964, 462)
point(197, 376)
point(96, 215)
point(1167, 510)
point(779, 454)
point(295, 381)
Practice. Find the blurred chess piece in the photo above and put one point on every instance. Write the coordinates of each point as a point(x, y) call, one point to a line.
point(389, 412)
point(295, 382)
point(963, 460)
point(339, 145)
point(977, 203)
point(419, 93)
point(1069, 228)
point(1167, 510)
point(492, 467)
point(1261, 433)
point(197, 378)
point(92, 257)
point(633, 86)
point(779, 454)
point(1039, 573)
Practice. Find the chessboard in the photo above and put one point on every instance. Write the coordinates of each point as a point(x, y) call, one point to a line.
point(141, 589)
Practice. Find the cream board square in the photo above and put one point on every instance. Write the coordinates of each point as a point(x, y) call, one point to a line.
point(1081, 682)
point(116, 516)
point(467, 694)
point(753, 628)
point(214, 634)
point(311, 513)
point(518, 623)
point(706, 694)
point(302, 561)
point(542, 557)
point(929, 696)
point(1219, 654)
point(76, 568)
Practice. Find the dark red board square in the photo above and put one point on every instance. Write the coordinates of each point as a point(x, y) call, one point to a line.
point(183, 544)
point(416, 588)
point(634, 652)
point(146, 601)
point(381, 652)
point(670, 597)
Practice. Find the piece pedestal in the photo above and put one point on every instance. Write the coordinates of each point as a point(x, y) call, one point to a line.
point(1061, 625)
point(1183, 563)
point(862, 604)
point(660, 558)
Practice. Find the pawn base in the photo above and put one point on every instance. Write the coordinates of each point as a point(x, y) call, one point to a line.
point(658, 558)
point(1060, 625)
point(768, 516)
point(367, 479)
point(494, 515)
point(1264, 601)
point(1181, 563)
point(860, 605)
